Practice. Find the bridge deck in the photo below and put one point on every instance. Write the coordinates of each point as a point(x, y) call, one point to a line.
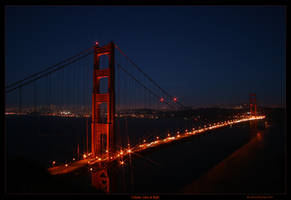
point(89, 160)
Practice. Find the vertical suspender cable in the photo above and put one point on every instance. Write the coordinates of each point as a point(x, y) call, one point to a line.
point(34, 96)
point(50, 99)
point(62, 89)
point(19, 101)
point(46, 91)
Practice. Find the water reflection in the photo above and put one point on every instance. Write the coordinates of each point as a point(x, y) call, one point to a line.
point(159, 179)
point(259, 136)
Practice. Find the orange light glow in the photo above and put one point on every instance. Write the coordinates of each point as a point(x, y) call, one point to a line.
point(120, 153)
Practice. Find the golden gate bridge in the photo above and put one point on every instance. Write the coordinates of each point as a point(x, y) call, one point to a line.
point(120, 89)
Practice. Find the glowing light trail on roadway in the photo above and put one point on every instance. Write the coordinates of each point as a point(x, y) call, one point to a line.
point(88, 159)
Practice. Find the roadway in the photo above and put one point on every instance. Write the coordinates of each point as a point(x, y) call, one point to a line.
point(88, 160)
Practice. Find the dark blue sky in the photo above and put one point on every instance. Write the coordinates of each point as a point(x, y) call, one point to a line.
point(205, 55)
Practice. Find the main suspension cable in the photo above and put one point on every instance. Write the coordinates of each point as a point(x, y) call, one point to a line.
point(147, 76)
point(129, 74)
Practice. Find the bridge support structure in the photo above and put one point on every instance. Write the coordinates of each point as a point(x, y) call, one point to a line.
point(100, 180)
point(253, 110)
point(253, 104)
point(102, 131)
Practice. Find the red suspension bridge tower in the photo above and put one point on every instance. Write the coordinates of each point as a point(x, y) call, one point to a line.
point(253, 104)
point(253, 110)
point(102, 132)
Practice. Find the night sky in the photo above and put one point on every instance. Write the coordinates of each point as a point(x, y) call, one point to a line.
point(204, 55)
